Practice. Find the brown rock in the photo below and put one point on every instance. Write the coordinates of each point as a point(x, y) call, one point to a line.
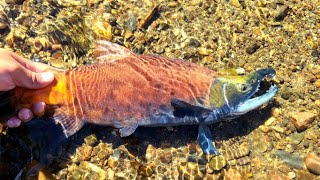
point(302, 120)
point(233, 174)
point(312, 162)
point(275, 175)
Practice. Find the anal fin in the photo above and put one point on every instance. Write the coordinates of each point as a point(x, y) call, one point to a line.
point(205, 140)
point(70, 123)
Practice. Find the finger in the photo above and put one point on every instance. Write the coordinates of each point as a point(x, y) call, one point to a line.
point(13, 122)
point(32, 66)
point(23, 77)
point(25, 115)
point(38, 108)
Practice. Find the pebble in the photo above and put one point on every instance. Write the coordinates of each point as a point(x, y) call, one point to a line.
point(312, 162)
point(236, 3)
point(3, 25)
point(292, 160)
point(217, 163)
point(90, 140)
point(302, 120)
point(194, 42)
point(281, 13)
point(304, 174)
point(292, 175)
point(252, 48)
point(317, 103)
point(240, 71)
point(297, 137)
point(269, 121)
point(233, 174)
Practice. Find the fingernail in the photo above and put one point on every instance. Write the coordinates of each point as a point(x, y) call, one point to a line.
point(25, 114)
point(13, 122)
point(47, 76)
point(38, 108)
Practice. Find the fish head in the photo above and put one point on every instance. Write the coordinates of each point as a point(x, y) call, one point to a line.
point(235, 95)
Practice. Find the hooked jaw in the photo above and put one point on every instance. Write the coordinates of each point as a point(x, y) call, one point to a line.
point(253, 103)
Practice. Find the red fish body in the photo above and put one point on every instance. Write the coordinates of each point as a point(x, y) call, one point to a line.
point(122, 89)
point(126, 90)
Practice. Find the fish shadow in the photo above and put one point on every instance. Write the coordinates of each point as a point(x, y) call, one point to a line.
point(48, 141)
point(177, 136)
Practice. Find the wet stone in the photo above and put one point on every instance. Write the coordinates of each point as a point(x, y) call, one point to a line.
point(292, 160)
point(281, 12)
point(302, 120)
point(252, 48)
point(217, 163)
point(312, 162)
point(286, 94)
point(90, 140)
point(166, 157)
point(83, 153)
point(297, 137)
point(194, 42)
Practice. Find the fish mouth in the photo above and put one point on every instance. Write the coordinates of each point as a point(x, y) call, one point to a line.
point(260, 94)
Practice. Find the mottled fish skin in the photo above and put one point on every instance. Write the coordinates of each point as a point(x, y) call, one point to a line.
point(135, 89)
point(123, 88)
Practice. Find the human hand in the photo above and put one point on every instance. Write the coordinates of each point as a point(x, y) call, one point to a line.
point(17, 71)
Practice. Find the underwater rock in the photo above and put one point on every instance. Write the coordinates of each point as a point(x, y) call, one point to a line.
point(302, 120)
point(90, 140)
point(217, 163)
point(297, 137)
point(281, 13)
point(312, 162)
point(233, 174)
point(252, 48)
point(292, 160)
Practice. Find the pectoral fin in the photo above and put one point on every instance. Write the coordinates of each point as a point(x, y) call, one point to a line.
point(182, 108)
point(205, 140)
point(128, 129)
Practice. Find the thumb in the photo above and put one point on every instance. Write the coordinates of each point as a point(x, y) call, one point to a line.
point(32, 80)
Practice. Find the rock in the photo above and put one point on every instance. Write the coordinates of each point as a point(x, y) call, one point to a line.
point(3, 25)
point(194, 42)
point(236, 3)
point(302, 120)
point(275, 175)
point(292, 175)
point(312, 162)
point(315, 53)
point(269, 121)
point(252, 48)
point(217, 163)
point(90, 140)
point(292, 160)
point(304, 174)
point(297, 137)
point(233, 174)
point(166, 157)
point(286, 93)
point(281, 13)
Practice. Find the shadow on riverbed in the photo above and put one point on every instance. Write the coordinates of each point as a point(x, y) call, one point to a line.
point(22, 150)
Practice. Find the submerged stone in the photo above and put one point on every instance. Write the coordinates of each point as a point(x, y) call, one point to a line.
point(292, 160)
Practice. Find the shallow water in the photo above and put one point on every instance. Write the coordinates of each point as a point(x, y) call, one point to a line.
point(247, 35)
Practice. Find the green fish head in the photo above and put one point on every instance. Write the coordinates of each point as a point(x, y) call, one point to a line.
point(233, 94)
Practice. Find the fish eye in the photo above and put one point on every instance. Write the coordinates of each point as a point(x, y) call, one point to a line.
point(243, 87)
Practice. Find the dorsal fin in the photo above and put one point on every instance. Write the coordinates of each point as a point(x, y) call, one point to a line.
point(108, 51)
